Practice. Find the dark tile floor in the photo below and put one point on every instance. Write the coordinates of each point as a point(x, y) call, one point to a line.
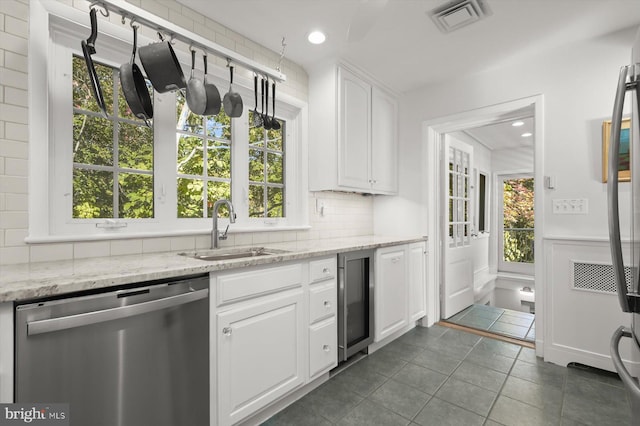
point(520, 325)
point(442, 376)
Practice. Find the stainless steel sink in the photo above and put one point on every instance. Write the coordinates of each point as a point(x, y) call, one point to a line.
point(233, 253)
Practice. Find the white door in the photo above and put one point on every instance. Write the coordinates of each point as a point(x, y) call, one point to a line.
point(457, 293)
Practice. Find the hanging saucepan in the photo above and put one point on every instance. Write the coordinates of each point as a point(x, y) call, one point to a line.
point(275, 124)
point(134, 85)
point(88, 49)
point(196, 93)
point(213, 95)
point(232, 100)
point(162, 67)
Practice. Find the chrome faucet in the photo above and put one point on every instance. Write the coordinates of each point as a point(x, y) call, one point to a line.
point(220, 235)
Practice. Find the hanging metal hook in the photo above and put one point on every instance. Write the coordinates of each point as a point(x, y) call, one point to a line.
point(284, 46)
point(228, 62)
point(103, 9)
point(133, 24)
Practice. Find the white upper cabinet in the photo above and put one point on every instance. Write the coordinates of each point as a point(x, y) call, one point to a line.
point(354, 127)
point(384, 142)
point(353, 142)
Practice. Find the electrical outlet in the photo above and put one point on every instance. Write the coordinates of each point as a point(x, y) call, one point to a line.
point(571, 206)
point(321, 204)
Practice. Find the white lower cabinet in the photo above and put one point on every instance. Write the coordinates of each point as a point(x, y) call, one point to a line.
point(400, 287)
point(275, 330)
point(323, 324)
point(260, 349)
point(390, 291)
point(417, 280)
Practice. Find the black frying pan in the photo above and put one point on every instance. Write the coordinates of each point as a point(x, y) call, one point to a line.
point(134, 85)
point(88, 49)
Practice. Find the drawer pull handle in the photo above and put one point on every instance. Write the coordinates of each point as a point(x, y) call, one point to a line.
point(327, 304)
point(325, 270)
point(227, 331)
point(395, 260)
point(326, 348)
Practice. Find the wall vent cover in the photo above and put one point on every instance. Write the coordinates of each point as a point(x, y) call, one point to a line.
point(598, 277)
point(459, 13)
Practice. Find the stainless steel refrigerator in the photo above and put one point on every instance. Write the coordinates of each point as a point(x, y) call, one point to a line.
point(628, 287)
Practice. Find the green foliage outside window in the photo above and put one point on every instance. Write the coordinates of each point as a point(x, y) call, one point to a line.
point(518, 220)
point(112, 158)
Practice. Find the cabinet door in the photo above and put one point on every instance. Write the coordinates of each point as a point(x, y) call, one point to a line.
point(260, 349)
point(354, 124)
point(390, 291)
point(384, 142)
point(417, 281)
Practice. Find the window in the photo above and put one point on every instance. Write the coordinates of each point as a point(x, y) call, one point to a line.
point(114, 177)
point(517, 224)
point(483, 207)
point(203, 147)
point(266, 171)
point(112, 157)
point(459, 198)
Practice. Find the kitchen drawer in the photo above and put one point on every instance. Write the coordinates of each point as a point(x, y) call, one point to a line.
point(322, 301)
point(323, 340)
point(323, 269)
point(255, 282)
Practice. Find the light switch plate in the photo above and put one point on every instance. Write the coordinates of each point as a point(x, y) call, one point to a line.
point(570, 206)
point(321, 204)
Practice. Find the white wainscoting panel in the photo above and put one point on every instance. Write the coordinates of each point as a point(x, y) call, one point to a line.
point(580, 318)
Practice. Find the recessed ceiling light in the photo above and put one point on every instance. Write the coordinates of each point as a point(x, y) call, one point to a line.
point(316, 37)
point(526, 135)
point(517, 123)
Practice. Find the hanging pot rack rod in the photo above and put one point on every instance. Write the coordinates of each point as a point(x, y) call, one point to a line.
point(141, 16)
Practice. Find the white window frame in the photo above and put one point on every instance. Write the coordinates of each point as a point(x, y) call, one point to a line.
point(487, 203)
point(513, 267)
point(56, 30)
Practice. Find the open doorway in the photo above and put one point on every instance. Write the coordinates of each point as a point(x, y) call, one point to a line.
point(487, 231)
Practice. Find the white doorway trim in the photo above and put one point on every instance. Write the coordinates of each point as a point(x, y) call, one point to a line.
point(433, 132)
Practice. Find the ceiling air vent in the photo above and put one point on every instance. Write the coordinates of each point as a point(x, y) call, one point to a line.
point(459, 13)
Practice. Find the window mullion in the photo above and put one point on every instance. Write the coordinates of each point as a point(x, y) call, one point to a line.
point(116, 153)
point(205, 170)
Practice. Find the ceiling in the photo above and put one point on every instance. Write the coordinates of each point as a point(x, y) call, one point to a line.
point(396, 42)
point(501, 134)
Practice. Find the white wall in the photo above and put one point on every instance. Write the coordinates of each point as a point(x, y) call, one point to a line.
point(577, 83)
point(515, 159)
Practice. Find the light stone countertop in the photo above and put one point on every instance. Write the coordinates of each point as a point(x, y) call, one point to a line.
point(36, 280)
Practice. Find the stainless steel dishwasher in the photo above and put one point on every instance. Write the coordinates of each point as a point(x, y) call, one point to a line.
point(131, 357)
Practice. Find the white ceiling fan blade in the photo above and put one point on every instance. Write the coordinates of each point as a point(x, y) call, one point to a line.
point(365, 17)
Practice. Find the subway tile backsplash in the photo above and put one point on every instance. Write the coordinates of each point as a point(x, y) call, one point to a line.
point(344, 214)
